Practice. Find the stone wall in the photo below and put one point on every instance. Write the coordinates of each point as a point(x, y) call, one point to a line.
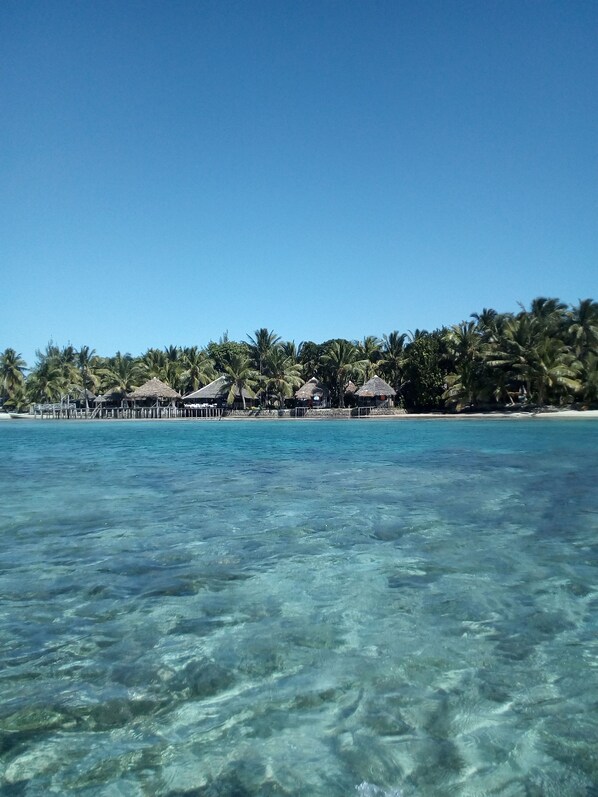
point(321, 414)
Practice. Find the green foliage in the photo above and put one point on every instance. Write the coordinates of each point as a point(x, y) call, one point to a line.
point(241, 378)
point(342, 362)
point(221, 352)
point(550, 349)
point(281, 375)
point(424, 380)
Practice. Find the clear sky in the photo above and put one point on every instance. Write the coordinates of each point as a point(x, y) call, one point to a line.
point(172, 170)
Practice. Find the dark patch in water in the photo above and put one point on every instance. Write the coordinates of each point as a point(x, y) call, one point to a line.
point(113, 714)
point(198, 626)
point(201, 679)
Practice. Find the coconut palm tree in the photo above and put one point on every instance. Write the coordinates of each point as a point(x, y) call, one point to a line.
point(121, 374)
point(310, 356)
point(539, 360)
point(582, 330)
point(153, 362)
point(12, 373)
point(423, 372)
point(468, 383)
point(282, 375)
point(260, 346)
point(240, 377)
point(557, 372)
point(370, 349)
point(67, 361)
point(589, 378)
point(86, 359)
point(17, 400)
point(343, 362)
point(54, 374)
point(393, 358)
point(198, 369)
point(46, 381)
point(289, 347)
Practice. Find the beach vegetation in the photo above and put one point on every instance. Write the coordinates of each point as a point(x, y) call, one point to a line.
point(12, 379)
point(546, 353)
point(343, 362)
point(282, 375)
point(241, 378)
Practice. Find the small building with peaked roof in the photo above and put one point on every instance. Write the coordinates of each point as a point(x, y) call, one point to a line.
point(154, 392)
point(112, 398)
point(215, 394)
point(82, 397)
point(313, 394)
point(376, 393)
point(349, 395)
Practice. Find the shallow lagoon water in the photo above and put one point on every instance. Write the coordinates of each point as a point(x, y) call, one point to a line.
point(331, 609)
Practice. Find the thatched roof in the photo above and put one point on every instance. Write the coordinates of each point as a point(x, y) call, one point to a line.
point(111, 395)
point(311, 389)
point(351, 387)
point(154, 389)
point(218, 389)
point(82, 394)
point(375, 387)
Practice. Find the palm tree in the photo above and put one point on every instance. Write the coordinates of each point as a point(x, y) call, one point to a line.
point(289, 347)
point(198, 369)
point(260, 346)
point(241, 378)
point(583, 327)
point(17, 399)
point(310, 357)
point(423, 373)
point(370, 350)
point(589, 378)
point(85, 361)
point(172, 353)
point(283, 375)
point(46, 381)
point(55, 373)
point(12, 373)
point(542, 362)
point(468, 382)
point(549, 315)
point(153, 362)
point(121, 374)
point(393, 358)
point(67, 360)
point(343, 361)
point(556, 371)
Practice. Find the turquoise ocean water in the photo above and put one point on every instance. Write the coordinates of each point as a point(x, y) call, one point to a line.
point(328, 609)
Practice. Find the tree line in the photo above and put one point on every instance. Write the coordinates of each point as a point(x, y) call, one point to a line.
point(547, 354)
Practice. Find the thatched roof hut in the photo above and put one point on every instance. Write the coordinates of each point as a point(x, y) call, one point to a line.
point(376, 388)
point(351, 388)
point(216, 391)
point(312, 390)
point(81, 394)
point(154, 390)
point(376, 393)
point(110, 397)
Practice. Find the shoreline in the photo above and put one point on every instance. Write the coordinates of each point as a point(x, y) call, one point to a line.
point(423, 416)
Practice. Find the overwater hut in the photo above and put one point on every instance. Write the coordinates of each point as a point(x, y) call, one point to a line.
point(376, 393)
point(82, 398)
point(110, 399)
point(215, 395)
point(154, 393)
point(312, 394)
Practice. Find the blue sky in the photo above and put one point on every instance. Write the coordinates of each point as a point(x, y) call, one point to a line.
point(172, 170)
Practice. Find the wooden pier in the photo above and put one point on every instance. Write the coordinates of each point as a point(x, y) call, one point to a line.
point(61, 412)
